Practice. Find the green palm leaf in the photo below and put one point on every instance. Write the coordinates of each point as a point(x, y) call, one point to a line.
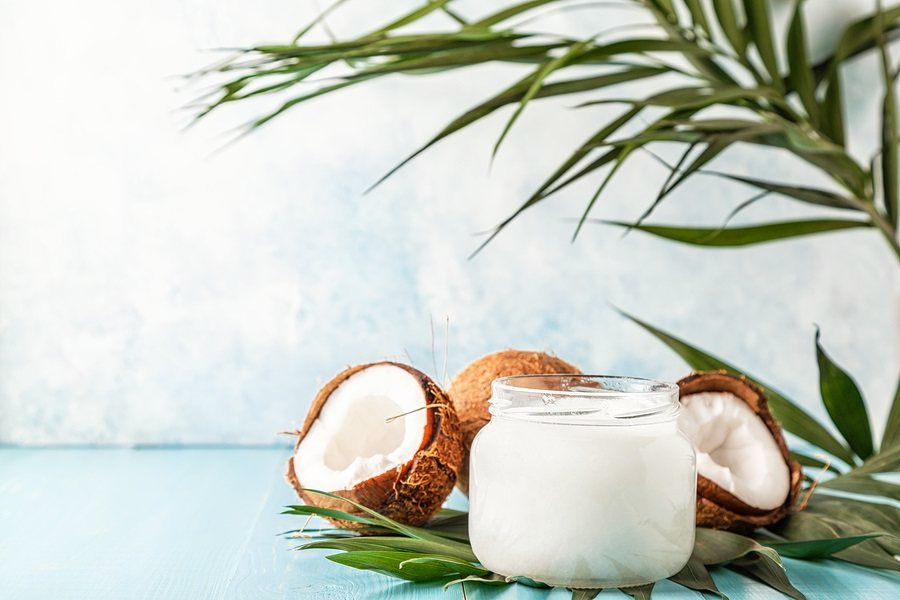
point(698, 15)
point(844, 403)
point(793, 418)
point(890, 179)
point(764, 570)
point(801, 75)
point(891, 434)
point(809, 195)
point(758, 22)
point(710, 41)
point(820, 548)
point(695, 576)
point(742, 236)
point(733, 29)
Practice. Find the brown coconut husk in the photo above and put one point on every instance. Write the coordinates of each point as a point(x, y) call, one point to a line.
point(718, 508)
point(470, 390)
point(413, 492)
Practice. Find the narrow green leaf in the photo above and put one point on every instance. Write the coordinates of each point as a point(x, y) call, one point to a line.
point(858, 36)
point(585, 594)
point(851, 517)
point(639, 592)
point(695, 97)
point(886, 461)
point(601, 54)
point(809, 461)
point(698, 15)
point(450, 524)
point(714, 547)
point(720, 125)
point(491, 579)
point(863, 516)
point(667, 8)
point(855, 37)
point(890, 179)
point(461, 58)
point(742, 236)
point(399, 49)
point(819, 152)
point(304, 509)
point(387, 523)
point(733, 30)
point(760, 27)
point(537, 81)
point(844, 403)
point(862, 484)
point(801, 76)
point(765, 570)
point(876, 557)
point(807, 525)
point(832, 111)
point(449, 513)
point(793, 418)
point(463, 567)
point(819, 548)
point(454, 16)
point(383, 542)
point(891, 434)
point(705, 64)
point(389, 563)
point(695, 576)
point(809, 195)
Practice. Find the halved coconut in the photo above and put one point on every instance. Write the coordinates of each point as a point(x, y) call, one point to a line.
point(746, 477)
point(470, 390)
point(352, 445)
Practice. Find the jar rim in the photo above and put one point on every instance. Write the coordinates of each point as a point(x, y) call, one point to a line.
point(584, 399)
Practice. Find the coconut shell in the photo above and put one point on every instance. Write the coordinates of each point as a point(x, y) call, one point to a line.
point(413, 492)
point(470, 390)
point(718, 508)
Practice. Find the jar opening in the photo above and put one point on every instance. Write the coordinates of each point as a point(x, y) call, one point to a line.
point(584, 399)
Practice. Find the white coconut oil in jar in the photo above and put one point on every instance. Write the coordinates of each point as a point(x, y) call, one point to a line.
point(582, 481)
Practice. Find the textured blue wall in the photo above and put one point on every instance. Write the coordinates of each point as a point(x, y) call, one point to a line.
point(152, 290)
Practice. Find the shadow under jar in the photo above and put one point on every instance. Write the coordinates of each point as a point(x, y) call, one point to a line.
point(582, 481)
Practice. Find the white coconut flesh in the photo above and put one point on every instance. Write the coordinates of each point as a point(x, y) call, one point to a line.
point(352, 440)
point(735, 449)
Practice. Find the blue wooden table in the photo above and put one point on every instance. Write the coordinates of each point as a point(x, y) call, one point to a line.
point(203, 523)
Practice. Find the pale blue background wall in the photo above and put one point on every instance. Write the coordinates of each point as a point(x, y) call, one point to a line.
point(153, 291)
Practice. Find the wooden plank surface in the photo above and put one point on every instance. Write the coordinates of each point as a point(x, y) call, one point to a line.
point(195, 524)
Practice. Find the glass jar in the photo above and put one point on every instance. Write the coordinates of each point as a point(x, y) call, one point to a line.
point(582, 481)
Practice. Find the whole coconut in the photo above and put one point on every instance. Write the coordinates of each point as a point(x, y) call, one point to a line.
point(470, 391)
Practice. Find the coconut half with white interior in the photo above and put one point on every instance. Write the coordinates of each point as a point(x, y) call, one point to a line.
point(746, 477)
point(383, 435)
